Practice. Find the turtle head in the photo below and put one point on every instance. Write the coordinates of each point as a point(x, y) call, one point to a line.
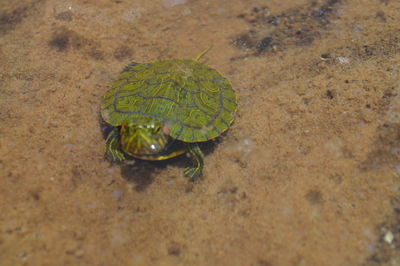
point(144, 136)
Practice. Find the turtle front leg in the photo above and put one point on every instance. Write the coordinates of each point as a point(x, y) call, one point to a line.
point(113, 147)
point(196, 156)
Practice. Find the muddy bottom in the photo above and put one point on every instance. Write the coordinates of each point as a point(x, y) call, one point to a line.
point(308, 174)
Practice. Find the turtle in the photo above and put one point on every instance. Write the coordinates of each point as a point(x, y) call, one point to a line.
point(164, 109)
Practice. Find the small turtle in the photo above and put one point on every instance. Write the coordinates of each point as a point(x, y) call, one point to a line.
point(163, 109)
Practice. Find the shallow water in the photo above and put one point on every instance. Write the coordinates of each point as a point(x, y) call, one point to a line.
point(307, 175)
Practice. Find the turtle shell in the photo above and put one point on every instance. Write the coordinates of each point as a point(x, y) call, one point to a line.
point(195, 101)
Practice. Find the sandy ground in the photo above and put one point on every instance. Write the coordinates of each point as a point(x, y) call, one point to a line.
point(307, 175)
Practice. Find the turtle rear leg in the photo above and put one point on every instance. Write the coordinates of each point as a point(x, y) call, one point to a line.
point(113, 148)
point(196, 156)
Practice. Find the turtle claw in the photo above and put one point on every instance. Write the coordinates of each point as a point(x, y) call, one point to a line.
point(115, 156)
point(196, 156)
point(193, 173)
point(113, 152)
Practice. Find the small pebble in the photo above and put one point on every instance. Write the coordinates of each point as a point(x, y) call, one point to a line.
point(343, 60)
point(388, 237)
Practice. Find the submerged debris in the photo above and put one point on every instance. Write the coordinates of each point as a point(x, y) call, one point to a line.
point(295, 27)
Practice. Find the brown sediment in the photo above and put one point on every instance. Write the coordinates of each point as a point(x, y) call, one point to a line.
point(307, 174)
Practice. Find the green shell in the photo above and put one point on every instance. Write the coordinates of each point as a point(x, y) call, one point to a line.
point(195, 101)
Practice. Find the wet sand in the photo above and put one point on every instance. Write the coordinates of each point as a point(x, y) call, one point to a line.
point(307, 175)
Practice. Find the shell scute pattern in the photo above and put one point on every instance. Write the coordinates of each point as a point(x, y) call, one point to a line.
point(192, 99)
